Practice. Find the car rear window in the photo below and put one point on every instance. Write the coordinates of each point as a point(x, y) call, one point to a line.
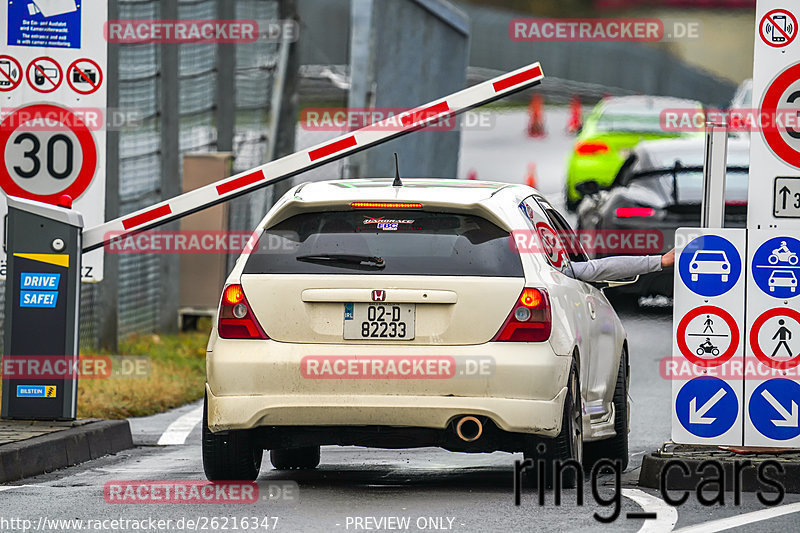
point(407, 242)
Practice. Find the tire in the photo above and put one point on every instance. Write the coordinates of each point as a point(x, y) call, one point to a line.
point(615, 448)
point(232, 456)
point(295, 458)
point(568, 444)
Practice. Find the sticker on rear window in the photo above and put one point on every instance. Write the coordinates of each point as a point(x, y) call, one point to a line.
point(383, 221)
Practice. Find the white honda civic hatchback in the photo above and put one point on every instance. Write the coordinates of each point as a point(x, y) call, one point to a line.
point(436, 313)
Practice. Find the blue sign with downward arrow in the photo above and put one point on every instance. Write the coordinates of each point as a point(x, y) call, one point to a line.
point(774, 409)
point(707, 407)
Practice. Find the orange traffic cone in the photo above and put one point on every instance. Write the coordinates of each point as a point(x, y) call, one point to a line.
point(472, 174)
point(575, 120)
point(536, 117)
point(530, 178)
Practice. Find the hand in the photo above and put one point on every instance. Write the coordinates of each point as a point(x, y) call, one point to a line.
point(668, 259)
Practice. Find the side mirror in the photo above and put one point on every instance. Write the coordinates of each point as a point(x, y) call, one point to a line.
point(588, 188)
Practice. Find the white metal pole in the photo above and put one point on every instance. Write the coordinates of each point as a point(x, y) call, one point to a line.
point(714, 169)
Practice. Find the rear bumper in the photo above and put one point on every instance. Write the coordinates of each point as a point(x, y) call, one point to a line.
point(266, 383)
point(536, 417)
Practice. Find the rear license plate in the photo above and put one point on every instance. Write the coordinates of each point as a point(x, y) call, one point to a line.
point(379, 321)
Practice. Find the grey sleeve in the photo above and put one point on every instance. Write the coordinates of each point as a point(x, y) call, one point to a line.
point(614, 268)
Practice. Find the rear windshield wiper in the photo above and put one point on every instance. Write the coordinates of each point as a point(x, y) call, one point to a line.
point(345, 260)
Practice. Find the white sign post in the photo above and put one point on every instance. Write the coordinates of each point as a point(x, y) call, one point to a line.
point(53, 58)
point(772, 385)
point(707, 355)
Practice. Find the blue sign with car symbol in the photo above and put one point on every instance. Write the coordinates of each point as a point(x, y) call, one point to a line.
point(710, 265)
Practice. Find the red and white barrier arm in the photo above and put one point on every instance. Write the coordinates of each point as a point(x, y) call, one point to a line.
point(299, 162)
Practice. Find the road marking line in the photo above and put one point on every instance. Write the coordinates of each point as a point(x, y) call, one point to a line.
point(741, 520)
point(179, 430)
point(667, 514)
point(9, 487)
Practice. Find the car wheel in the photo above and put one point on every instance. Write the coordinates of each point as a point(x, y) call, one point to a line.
point(568, 444)
point(230, 456)
point(615, 448)
point(306, 458)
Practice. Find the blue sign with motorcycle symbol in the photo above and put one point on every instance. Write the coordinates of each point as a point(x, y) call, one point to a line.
point(776, 267)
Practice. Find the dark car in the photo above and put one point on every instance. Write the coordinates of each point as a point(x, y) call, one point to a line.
point(659, 189)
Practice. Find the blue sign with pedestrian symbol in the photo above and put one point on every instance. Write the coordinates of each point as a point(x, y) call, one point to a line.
point(776, 267)
point(707, 407)
point(710, 265)
point(774, 409)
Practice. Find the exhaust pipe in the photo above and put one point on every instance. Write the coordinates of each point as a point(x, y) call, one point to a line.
point(469, 429)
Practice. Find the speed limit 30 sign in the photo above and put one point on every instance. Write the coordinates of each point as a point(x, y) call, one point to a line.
point(48, 151)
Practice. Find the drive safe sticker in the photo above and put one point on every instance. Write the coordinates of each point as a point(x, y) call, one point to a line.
point(36, 289)
point(41, 299)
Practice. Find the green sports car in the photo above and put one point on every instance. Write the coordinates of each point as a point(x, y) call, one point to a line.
point(614, 127)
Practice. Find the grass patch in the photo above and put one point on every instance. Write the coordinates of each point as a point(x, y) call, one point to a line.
point(177, 376)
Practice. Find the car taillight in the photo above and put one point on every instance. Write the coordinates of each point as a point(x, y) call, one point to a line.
point(236, 318)
point(591, 148)
point(631, 212)
point(530, 319)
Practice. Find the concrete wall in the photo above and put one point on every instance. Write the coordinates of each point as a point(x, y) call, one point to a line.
point(634, 67)
point(418, 51)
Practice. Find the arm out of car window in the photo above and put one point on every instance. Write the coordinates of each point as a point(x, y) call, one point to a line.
point(614, 268)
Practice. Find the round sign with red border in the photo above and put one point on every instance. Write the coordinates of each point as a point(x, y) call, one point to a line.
point(778, 28)
point(551, 244)
point(84, 76)
point(779, 338)
point(691, 354)
point(783, 91)
point(46, 74)
point(48, 151)
point(10, 73)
